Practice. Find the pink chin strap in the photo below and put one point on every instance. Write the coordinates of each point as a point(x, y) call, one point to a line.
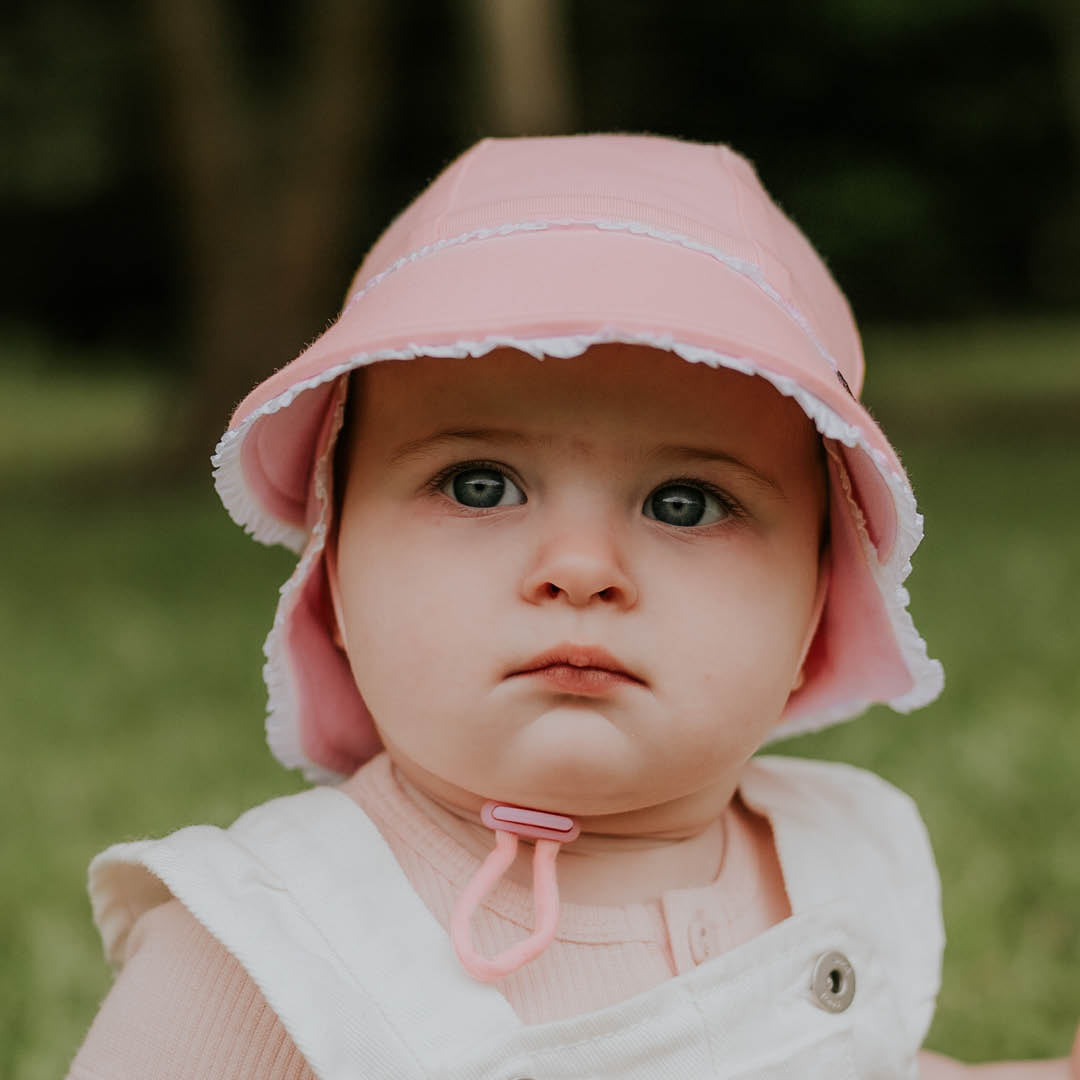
point(509, 822)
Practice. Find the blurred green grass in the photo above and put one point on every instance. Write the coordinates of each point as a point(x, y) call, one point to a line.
point(131, 700)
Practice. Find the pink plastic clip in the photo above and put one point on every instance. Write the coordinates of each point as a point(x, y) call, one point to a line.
point(550, 831)
point(535, 824)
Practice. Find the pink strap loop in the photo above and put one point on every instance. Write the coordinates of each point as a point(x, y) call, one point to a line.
point(545, 892)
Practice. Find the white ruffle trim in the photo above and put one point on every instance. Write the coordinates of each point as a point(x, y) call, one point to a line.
point(282, 721)
point(282, 709)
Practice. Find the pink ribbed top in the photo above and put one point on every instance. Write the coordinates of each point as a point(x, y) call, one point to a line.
point(183, 1006)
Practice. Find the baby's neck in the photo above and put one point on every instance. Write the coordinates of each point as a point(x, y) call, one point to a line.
point(599, 868)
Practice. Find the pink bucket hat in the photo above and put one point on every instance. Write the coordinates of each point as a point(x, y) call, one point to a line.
point(550, 246)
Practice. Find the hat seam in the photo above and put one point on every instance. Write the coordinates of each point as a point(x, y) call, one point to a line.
point(744, 267)
point(736, 191)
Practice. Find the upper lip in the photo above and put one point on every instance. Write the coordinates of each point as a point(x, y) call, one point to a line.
point(583, 656)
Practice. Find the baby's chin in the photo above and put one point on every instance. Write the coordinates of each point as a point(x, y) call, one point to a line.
point(572, 758)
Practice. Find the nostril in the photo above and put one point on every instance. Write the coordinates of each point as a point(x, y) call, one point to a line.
point(552, 591)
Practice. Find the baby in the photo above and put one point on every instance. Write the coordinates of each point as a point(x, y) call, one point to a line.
point(588, 512)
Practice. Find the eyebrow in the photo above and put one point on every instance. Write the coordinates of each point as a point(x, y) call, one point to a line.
point(415, 448)
point(450, 436)
point(675, 452)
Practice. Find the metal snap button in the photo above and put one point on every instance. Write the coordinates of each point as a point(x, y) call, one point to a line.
point(833, 982)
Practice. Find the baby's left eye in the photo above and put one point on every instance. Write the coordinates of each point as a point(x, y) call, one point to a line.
point(685, 505)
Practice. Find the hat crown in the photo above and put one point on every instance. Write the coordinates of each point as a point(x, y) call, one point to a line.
point(705, 194)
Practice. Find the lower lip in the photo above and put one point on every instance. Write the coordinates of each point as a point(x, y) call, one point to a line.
point(580, 680)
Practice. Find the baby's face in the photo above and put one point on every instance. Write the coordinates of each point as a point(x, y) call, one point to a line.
point(506, 519)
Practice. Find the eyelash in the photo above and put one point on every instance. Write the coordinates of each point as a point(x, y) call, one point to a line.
point(730, 505)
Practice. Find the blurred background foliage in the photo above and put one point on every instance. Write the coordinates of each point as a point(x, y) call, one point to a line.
point(187, 186)
point(185, 190)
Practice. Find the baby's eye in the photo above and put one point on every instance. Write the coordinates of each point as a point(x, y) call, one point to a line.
point(481, 487)
point(685, 504)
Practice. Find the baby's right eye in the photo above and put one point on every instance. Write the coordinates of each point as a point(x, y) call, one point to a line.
point(482, 487)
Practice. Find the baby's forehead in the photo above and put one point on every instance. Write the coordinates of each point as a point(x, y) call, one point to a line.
point(617, 405)
point(635, 390)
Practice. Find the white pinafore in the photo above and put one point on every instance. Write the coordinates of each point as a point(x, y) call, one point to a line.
point(308, 896)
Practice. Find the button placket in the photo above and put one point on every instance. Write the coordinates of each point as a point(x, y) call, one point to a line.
point(701, 933)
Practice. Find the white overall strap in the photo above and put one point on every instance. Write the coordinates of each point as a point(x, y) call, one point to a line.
point(305, 892)
point(846, 836)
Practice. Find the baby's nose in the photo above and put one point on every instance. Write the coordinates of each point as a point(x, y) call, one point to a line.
point(580, 570)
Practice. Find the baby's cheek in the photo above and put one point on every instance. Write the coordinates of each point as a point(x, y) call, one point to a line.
point(414, 645)
point(738, 657)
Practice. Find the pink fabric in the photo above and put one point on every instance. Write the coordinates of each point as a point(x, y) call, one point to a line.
point(873, 499)
point(182, 1005)
point(868, 668)
point(281, 470)
point(339, 732)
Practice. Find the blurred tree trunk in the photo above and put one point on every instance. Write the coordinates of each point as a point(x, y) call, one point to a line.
point(266, 184)
point(1058, 254)
point(525, 88)
point(1064, 19)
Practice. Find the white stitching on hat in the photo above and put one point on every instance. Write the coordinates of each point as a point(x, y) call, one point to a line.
point(746, 269)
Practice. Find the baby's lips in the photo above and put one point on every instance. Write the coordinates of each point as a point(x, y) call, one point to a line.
point(577, 655)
